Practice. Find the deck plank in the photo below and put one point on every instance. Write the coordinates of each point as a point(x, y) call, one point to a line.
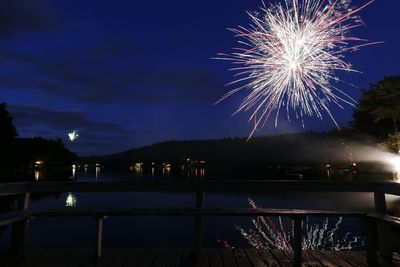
point(282, 258)
point(31, 259)
point(310, 261)
point(108, 257)
point(214, 258)
point(148, 256)
point(42, 257)
point(227, 257)
point(332, 255)
point(202, 259)
point(241, 258)
point(323, 258)
point(359, 256)
point(174, 259)
point(62, 257)
point(127, 257)
point(161, 258)
point(267, 257)
point(254, 257)
point(185, 257)
point(348, 256)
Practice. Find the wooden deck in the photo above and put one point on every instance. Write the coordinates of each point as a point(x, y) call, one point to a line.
point(184, 257)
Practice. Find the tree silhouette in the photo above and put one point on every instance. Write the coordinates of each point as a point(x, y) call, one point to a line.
point(8, 135)
point(378, 111)
point(17, 155)
point(7, 129)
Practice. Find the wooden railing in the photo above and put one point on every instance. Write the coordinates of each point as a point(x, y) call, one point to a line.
point(378, 226)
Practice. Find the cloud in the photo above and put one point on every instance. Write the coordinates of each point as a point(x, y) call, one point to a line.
point(108, 72)
point(25, 15)
point(65, 120)
point(16, 57)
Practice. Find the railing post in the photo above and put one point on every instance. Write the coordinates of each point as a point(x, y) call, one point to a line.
point(297, 246)
point(19, 231)
point(380, 202)
point(99, 236)
point(384, 233)
point(199, 222)
point(371, 241)
point(385, 241)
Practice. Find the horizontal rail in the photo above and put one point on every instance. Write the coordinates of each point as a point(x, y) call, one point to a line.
point(12, 217)
point(392, 220)
point(197, 212)
point(241, 186)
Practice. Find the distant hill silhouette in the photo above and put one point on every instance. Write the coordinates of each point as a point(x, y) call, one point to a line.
point(302, 149)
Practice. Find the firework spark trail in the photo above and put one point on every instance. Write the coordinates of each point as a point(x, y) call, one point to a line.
point(268, 228)
point(322, 233)
point(263, 233)
point(289, 58)
point(283, 231)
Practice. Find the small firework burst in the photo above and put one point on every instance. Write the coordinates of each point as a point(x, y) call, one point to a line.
point(72, 136)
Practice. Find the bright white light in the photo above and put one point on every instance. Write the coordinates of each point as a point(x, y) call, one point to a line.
point(395, 161)
point(289, 57)
point(73, 135)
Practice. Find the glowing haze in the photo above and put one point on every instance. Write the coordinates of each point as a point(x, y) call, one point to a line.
point(289, 57)
point(367, 154)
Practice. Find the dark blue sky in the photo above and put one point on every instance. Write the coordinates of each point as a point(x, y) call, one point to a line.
point(130, 73)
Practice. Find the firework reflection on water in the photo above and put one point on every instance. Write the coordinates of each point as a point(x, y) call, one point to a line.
point(269, 233)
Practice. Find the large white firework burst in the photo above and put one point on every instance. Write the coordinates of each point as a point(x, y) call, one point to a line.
point(289, 57)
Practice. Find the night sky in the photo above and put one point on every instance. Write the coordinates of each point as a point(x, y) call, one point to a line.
point(130, 73)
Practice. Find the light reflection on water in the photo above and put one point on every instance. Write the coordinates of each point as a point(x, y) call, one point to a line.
point(38, 174)
point(71, 200)
point(73, 171)
point(98, 168)
point(157, 231)
point(169, 231)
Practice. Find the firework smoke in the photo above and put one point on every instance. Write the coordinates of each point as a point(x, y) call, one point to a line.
point(290, 55)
